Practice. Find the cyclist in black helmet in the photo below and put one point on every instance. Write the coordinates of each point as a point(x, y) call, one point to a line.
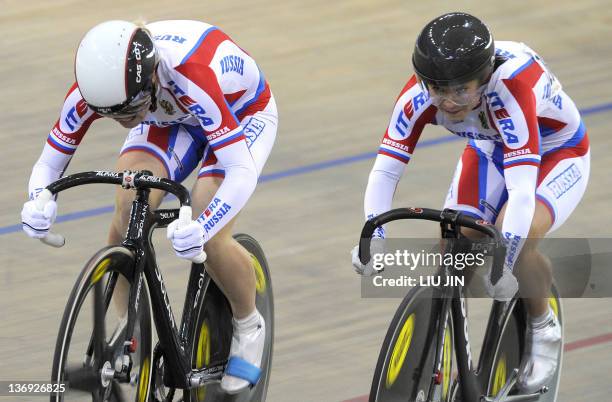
point(525, 167)
point(454, 58)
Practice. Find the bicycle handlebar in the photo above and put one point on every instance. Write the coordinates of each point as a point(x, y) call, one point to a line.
point(127, 179)
point(131, 180)
point(446, 216)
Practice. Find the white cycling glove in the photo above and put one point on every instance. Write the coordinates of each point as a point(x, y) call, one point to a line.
point(188, 240)
point(37, 222)
point(377, 246)
point(505, 288)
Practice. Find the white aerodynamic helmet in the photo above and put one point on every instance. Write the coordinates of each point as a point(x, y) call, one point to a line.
point(114, 67)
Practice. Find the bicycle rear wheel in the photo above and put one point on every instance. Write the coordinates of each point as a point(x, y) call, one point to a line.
point(83, 351)
point(406, 360)
point(213, 332)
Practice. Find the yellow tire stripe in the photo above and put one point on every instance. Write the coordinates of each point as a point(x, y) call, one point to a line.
point(203, 355)
point(447, 362)
point(500, 374)
point(260, 278)
point(100, 270)
point(143, 382)
point(402, 344)
point(554, 305)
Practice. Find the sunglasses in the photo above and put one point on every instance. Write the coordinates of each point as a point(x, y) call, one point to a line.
point(128, 109)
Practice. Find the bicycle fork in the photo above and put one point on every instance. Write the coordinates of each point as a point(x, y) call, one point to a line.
point(467, 375)
point(494, 331)
point(440, 332)
point(470, 389)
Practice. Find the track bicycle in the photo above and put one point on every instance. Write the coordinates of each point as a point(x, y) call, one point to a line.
point(416, 362)
point(115, 359)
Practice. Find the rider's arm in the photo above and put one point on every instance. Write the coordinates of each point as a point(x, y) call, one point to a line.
point(410, 114)
point(514, 106)
point(226, 138)
point(521, 185)
point(382, 183)
point(62, 141)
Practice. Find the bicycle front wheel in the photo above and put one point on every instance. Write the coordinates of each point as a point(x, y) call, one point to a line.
point(405, 367)
point(86, 356)
point(510, 345)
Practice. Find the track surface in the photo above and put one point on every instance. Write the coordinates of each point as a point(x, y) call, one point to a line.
point(335, 69)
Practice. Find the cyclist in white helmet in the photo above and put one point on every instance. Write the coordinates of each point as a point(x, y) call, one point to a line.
point(188, 94)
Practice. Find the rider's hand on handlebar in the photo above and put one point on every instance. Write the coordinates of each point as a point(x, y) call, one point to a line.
point(376, 247)
point(36, 222)
point(505, 288)
point(188, 240)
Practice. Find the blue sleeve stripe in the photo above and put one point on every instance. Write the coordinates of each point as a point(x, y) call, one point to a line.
point(518, 161)
point(572, 142)
point(226, 140)
point(260, 88)
point(396, 154)
point(521, 68)
point(60, 146)
point(230, 109)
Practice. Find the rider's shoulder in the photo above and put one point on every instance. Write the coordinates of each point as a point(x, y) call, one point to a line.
point(512, 63)
point(412, 92)
point(177, 40)
point(174, 28)
point(511, 58)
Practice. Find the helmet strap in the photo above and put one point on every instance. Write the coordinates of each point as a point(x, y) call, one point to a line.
point(154, 88)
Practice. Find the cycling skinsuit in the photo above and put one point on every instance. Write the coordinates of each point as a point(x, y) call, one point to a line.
point(526, 142)
point(213, 105)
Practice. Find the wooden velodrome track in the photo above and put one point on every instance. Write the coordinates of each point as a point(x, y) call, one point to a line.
point(335, 68)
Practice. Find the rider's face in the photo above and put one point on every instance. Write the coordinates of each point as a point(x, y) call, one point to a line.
point(132, 121)
point(456, 101)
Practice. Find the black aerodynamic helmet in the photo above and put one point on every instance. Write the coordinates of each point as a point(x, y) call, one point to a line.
point(452, 49)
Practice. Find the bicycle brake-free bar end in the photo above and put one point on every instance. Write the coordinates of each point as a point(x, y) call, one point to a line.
point(54, 240)
point(199, 259)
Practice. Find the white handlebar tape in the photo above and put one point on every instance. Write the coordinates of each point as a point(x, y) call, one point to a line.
point(51, 239)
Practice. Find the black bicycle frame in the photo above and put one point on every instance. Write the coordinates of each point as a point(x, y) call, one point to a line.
point(450, 300)
point(142, 222)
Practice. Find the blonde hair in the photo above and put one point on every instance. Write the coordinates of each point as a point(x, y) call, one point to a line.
point(142, 24)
